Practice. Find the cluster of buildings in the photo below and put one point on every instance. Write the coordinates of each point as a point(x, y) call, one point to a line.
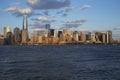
point(52, 36)
point(17, 37)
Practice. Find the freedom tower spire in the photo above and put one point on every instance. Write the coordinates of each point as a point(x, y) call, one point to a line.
point(25, 23)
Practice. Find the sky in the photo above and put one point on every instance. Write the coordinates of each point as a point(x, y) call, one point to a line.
point(86, 15)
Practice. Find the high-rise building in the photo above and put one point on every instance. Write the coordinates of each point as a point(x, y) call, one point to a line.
point(53, 33)
point(88, 36)
point(98, 36)
point(25, 30)
point(17, 36)
point(65, 31)
point(25, 23)
point(61, 37)
point(82, 37)
point(59, 33)
point(104, 38)
point(9, 38)
point(43, 33)
point(75, 36)
point(93, 40)
point(47, 26)
point(1, 40)
point(109, 37)
point(24, 36)
point(6, 30)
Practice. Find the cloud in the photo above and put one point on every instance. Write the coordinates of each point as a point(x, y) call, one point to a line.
point(11, 9)
point(84, 7)
point(65, 11)
point(48, 4)
point(76, 21)
point(73, 23)
point(36, 25)
point(70, 25)
point(68, 9)
point(117, 28)
point(46, 13)
point(60, 12)
point(25, 11)
point(45, 19)
point(64, 15)
point(19, 12)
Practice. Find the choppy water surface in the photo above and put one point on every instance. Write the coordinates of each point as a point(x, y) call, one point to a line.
point(70, 62)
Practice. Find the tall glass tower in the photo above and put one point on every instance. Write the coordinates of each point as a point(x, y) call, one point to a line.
point(25, 23)
point(25, 30)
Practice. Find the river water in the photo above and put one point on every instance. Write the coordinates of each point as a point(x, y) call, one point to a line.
point(60, 62)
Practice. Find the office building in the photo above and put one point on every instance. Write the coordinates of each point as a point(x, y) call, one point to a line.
point(75, 36)
point(82, 37)
point(59, 33)
point(25, 22)
point(24, 35)
point(53, 33)
point(6, 30)
point(93, 40)
point(9, 39)
point(17, 36)
point(104, 38)
point(98, 36)
point(88, 36)
point(47, 26)
point(1, 40)
point(109, 37)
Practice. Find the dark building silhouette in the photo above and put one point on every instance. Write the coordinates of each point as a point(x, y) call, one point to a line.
point(98, 36)
point(59, 33)
point(52, 32)
point(9, 38)
point(88, 36)
point(47, 26)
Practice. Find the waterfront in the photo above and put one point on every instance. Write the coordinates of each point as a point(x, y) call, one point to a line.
point(65, 62)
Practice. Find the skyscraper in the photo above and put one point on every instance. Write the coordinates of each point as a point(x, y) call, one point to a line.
point(17, 35)
point(75, 36)
point(6, 30)
point(82, 36)
point(25, 30)
point(9, 38)
point(25, 23)
point(104, 38)
point(109, 37)
point(47, 26)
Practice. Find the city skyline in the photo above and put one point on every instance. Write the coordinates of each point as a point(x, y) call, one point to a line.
point(70, 14)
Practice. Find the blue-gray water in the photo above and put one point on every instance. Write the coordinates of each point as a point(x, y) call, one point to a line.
point(70, 62)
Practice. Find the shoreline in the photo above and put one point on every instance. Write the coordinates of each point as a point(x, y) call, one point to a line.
point(60, 44)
